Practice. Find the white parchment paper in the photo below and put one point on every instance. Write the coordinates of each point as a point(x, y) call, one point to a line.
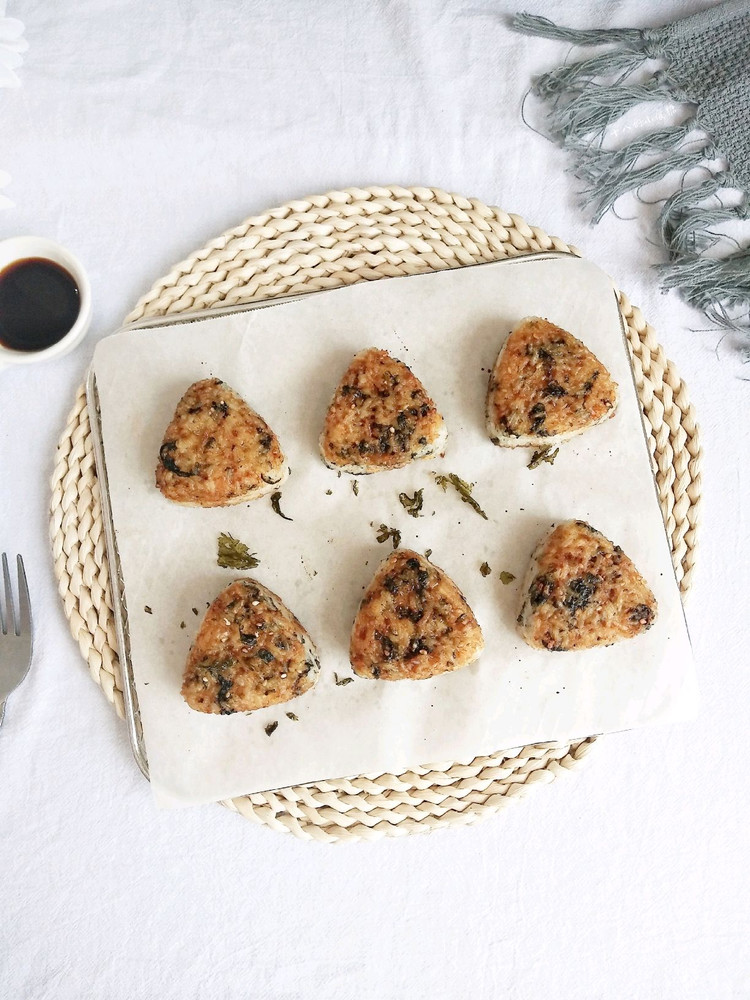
point(286, 361)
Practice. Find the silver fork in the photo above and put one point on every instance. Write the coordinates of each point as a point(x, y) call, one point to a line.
point(15, 634)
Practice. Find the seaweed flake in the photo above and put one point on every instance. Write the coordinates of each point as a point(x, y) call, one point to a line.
point(543, 455)
point(384, 533)
point(462, 487)
point(234, 554)
point(275, 501)
point(166, 452)
point(412, 505)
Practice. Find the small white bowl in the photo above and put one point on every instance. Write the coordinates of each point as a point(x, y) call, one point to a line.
point(24, 247)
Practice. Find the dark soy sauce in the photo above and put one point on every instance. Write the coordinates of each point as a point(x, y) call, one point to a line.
point(39, 303)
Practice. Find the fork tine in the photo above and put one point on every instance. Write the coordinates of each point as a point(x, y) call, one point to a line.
point(9, 623)
point(24, 603)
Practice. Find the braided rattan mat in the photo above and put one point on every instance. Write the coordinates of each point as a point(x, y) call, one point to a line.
point(324, 242)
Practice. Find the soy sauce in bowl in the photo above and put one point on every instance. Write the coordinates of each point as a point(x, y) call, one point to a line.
point(39, 304)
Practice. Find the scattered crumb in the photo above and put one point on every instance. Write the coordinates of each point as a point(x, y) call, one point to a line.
point(271, 728)
point(485, 569)
point(148, 610)
point(506, 577)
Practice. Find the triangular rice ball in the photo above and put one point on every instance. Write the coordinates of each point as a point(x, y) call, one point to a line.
point(546, 387)
point(582, 591)
point(380, 417)
point(413, 622)
point(217, 451)
point(250, 652)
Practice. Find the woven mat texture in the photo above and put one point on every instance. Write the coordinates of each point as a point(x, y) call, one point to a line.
point(323, 242)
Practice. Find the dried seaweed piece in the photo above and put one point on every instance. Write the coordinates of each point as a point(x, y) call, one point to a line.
point(412, 505)
point(275, 501)
point(543, 455)
point(384, 533)
point(234, 554)
point(462, 488)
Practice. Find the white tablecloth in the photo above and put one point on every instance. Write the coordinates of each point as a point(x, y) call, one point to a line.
point(139, 132)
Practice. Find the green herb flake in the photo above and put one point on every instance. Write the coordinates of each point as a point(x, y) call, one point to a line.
point(234, 554)
point(342, 681)
point(384, 533)
point(355, 487)
point(506, 577)
point(329, 493)
point(195, 611)
point(292, 716)
point(543, 455)
point(412, 505)
point(462, 488)
point(148, 610)
point(275, 501)
point(428, 553)
point(183, 625)
point(271, 728)
point(485, 569)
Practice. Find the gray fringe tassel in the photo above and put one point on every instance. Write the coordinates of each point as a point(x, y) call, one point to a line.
point(610, 174)
point(585, 98)
point(574, 75)
point(689, 198)
point(721, 288)
point(594, 109)
point(631, 38)
point(692, 233)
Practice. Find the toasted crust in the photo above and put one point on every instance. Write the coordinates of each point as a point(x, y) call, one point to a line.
point(250, 652)
point(546, 387)
point(217, 451)
point(582, 591)
point(413, 622)
point(380, 417)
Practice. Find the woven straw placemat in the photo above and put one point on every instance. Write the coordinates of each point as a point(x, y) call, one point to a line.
point(323, 242)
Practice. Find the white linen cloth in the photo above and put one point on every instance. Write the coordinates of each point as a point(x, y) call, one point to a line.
point(138, 133)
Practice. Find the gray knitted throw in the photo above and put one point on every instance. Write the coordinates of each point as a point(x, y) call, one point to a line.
point(705, 65)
